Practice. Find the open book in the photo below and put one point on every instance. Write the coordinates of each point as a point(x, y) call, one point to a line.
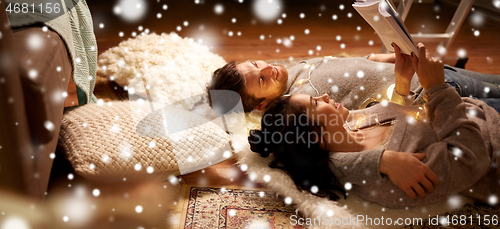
point(383, 18)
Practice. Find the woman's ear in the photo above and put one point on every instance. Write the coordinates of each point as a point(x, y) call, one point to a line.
point(319, 139)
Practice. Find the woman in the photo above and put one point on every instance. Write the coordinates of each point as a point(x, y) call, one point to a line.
point(460, 136)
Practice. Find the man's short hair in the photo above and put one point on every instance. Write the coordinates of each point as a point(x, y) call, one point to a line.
point(228, 78)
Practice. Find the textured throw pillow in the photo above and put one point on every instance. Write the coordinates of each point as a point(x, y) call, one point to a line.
point(127, 141)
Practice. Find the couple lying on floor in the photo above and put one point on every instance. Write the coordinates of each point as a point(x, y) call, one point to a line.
point(323, 146)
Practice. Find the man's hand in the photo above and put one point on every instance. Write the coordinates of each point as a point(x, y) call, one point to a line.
point(382, 57)
point(403, 70)
point(407, 172)
point(430, 71)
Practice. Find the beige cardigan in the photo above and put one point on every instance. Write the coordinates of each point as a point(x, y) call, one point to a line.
point(461, 137)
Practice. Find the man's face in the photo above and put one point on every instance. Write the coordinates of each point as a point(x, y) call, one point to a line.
point(263, 80)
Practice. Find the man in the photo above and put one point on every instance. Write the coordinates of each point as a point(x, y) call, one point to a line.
point(354, 82)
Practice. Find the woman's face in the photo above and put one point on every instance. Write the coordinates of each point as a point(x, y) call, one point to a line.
point(322, 110)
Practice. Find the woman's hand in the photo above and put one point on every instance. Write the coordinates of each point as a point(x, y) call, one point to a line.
point(403, 70)
point(407, 172)
point(430, 71)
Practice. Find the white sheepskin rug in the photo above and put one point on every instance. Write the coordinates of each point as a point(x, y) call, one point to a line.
point(166, 66)
point(349, 210)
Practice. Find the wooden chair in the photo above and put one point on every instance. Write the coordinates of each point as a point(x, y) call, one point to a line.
point(447, 37)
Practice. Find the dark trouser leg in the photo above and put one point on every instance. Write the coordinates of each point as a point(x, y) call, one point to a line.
point(473, 84)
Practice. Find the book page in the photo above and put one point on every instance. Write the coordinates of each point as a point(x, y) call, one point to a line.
point(389, 8)
point(387, 28)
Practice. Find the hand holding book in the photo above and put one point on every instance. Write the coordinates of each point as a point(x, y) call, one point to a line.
point(429, 70)
point(403, 70)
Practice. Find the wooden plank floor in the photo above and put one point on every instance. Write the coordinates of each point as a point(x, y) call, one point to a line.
point(483, 50)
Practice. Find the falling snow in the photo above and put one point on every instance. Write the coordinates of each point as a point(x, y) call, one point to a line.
point(96, 192)
point(472, 112)
point(492, 199)
point(410, 119)
point(150, 169)
point(218, 9)
point(360, 74)
point(266, 10)
point(454, 202)
point(457, 152)
point(477, 19)
point(441, 50)
point(384, 103)
point(347, 186)
point(35, 41)
point(461, 53)
point(131, 10)
point(267, 178)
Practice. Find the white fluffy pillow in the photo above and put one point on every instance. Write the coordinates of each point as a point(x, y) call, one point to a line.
point(170, 67)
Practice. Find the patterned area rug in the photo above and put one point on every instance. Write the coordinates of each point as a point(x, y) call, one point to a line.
point(236, 208)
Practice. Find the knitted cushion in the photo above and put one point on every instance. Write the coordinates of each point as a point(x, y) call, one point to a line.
point(113, 141)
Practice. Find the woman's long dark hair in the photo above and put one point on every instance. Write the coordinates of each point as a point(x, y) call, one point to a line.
point(293, 140)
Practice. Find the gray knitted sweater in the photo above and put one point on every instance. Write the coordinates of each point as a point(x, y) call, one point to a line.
point(461, 139)
point(350, 81)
